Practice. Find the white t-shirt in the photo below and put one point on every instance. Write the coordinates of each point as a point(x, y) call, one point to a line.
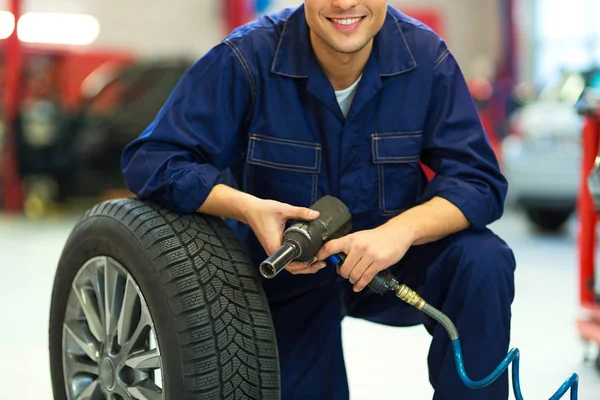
point(345, 96)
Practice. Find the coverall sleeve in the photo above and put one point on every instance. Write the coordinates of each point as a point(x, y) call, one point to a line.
point(198, 132)
point(457, 149)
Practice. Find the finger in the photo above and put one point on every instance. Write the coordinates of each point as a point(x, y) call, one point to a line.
point(341, 245)
point(297, 265)
point(300, 213)
point(354, 253)
point(351, 261)
point(367, 277)
point(311, 269)
point(359, 269)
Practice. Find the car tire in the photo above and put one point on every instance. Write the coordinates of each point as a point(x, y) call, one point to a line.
point(156, 305)
point(548, 220)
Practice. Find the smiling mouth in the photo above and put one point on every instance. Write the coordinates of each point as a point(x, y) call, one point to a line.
point(345, 23)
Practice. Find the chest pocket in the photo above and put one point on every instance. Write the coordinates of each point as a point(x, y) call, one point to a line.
point(283, 170)
point(396, 156)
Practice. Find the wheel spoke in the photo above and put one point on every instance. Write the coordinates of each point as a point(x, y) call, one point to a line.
point(83, 340)
point(146, 360)
point(126, 313)
point(84, 295)
point(146, 390)
point(112, 297)
point(89, 392)
point(122, 391)
point(77, 367)
point(99, 291)
point(129, 345)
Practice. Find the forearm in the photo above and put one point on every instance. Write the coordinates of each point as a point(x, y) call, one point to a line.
point(430, 221)
point(178, 159)
point(226, 202)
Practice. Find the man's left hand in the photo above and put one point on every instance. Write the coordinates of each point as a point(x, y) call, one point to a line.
point(368, 252)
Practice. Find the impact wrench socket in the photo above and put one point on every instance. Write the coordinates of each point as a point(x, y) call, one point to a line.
point(303, 240)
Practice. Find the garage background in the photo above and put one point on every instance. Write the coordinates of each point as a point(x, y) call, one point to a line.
point(81, 70)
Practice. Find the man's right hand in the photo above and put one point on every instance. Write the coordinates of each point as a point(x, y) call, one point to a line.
point(268, 218)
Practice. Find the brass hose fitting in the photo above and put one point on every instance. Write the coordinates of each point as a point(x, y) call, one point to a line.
point(408, 295)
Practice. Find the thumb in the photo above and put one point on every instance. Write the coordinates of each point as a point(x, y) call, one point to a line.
point(301, 213)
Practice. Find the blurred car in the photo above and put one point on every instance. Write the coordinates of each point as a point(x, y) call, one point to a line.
point(78, 155)
point(542, 153)
point(113, 117)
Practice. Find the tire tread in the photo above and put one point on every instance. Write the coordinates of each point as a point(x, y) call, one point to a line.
point(219, 310)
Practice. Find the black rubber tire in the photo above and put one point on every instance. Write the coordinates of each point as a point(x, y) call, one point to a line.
point(548, 220)
point(211, 316)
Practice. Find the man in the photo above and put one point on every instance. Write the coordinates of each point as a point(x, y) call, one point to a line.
point(346, 98)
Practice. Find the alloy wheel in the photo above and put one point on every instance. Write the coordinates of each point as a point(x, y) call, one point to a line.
point(109, 343)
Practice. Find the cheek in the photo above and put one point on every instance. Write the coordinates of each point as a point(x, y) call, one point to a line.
point(379, 19)
point(378, 8)
point(312, 16)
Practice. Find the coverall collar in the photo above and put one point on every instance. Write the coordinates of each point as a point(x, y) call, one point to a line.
point(294, 56)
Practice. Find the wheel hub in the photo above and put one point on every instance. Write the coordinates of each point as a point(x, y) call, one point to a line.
point(107, 374)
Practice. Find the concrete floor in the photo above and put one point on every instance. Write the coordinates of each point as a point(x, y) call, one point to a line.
point(544, 329)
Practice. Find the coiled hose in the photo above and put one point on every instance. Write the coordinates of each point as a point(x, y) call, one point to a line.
point(512, 356)
point(385, 281)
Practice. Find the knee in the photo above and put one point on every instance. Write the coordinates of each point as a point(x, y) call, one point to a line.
point(483, 258)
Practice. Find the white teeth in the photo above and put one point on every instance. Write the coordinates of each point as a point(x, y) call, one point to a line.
point(347, 21)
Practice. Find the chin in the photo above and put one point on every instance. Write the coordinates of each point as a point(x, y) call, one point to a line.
point(349, 48)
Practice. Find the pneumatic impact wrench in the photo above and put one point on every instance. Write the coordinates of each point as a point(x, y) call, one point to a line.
point(303, 240)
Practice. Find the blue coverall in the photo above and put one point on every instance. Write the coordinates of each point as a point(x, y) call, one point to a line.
point(259, 105)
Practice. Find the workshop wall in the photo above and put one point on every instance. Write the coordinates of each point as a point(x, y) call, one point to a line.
point(472, 29)
point(170, 27)
point(148, 27)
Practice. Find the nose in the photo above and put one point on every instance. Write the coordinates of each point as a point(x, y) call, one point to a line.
point(344, 4)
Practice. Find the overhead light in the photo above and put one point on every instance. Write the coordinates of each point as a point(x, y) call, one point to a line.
point(55, 28)
point(7, 24)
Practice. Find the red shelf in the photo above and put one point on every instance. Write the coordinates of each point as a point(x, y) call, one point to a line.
point(589, 327)
point(593, 312)
point(589, 330)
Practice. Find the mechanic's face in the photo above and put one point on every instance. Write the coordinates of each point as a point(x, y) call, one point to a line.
point(346, 26)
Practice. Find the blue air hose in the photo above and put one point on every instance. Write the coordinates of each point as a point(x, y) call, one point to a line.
point(513, 356)
point(385, 281)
